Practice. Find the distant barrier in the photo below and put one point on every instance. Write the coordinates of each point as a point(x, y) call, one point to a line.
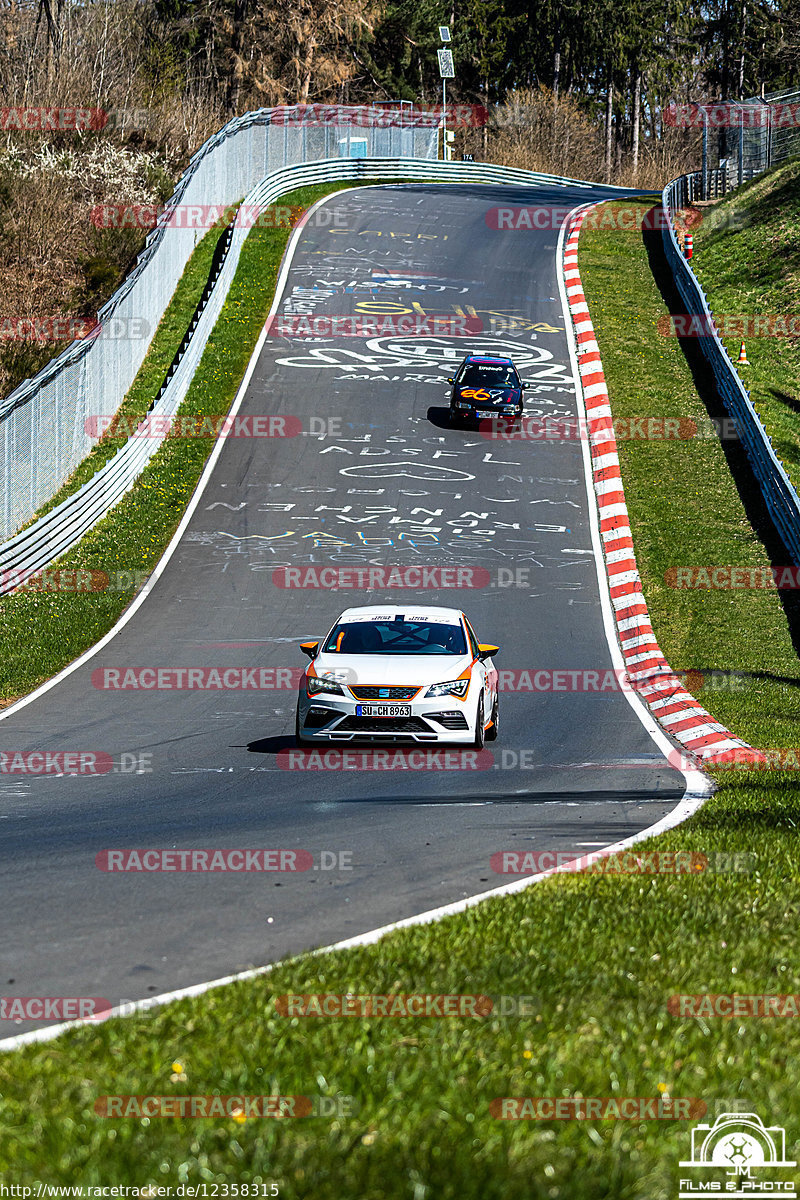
point(779, 495)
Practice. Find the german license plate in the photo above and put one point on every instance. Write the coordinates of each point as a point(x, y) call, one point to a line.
point(487, 414)
point(383, 710)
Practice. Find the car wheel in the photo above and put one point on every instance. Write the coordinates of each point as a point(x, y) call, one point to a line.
point(455, 417)
point(301, 741)
point(480, 732)
point(491, 733)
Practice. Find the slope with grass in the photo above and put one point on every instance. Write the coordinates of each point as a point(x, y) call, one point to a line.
point(747, 258)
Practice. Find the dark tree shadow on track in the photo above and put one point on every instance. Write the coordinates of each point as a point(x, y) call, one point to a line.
point(738, 463)
point(271, 745)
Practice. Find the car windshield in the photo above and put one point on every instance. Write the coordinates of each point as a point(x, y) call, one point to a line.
point(396, 636)
point(488, 375)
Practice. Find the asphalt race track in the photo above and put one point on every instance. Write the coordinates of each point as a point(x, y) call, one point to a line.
point(376, 477)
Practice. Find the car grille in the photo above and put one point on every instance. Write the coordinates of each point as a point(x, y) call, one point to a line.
point(317, 717)
point(383, 725)
point(384, 693)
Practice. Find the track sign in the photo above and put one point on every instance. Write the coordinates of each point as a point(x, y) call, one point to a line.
point(446, 68)
point(468, 158)
point(444, 33)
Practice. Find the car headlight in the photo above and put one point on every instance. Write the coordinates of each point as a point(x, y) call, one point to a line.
point(315, 685)
point(462, 403)
point(456, 687)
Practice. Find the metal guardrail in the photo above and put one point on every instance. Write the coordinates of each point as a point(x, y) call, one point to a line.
point(55, 533)
point(780, 496)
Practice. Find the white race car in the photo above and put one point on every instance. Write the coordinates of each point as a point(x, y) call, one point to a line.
point(399, 673)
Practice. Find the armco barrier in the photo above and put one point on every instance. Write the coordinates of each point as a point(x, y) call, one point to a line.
point(43, 422)
point(779, 495)
point(52, 535)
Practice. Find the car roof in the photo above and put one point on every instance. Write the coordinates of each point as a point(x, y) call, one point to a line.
point(490, 358)
point(371, 611)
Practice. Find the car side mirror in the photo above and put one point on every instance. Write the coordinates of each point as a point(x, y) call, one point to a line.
point(485, 651)
point(310, 648)
point(450, 379)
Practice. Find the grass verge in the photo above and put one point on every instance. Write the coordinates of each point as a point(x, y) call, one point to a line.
point(597, 956)
point(42, 631)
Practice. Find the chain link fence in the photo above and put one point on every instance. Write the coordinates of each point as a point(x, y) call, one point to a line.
point(742, 138)
point(44, 422)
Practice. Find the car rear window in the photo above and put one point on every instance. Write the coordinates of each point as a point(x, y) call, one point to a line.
point(396, 637)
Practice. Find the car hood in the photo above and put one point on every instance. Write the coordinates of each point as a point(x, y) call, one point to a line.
point(392, 668)
point(490, 397)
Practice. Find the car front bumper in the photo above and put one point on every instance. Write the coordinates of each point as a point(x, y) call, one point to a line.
point(438, 719)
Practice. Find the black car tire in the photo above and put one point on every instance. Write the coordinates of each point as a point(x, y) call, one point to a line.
point(299, 739)
point(491, 733)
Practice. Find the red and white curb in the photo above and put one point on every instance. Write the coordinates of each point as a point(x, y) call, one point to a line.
point(678, 712)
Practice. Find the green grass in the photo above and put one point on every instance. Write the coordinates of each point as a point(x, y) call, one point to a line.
point(41, 632)
point(747, 257)
point(685, 509)
point(599, 957)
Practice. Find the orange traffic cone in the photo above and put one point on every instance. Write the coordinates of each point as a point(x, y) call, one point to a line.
point(742, 360)
point(688, 245)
